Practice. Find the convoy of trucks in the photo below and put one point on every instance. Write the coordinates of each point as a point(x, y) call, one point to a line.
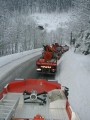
point(47, 63)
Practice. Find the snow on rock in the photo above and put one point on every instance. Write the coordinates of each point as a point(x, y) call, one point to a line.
point(52, 21)
point(75, 74)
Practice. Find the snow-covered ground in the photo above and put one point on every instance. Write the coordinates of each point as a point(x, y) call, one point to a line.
point(75, 74)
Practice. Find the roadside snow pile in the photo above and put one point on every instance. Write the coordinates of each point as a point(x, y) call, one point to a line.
point(52, 21)
point(75, 74)
point(13, 57)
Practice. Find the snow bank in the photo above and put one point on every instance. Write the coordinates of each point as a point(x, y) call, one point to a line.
point(75, 74)
point(10, 58)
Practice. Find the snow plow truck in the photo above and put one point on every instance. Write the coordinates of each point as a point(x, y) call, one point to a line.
point(47, 63)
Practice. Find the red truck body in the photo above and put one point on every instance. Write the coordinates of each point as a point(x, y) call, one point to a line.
point(47, 63)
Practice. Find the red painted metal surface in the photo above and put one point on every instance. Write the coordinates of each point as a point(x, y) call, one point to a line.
point(48, 55)
point(42, 62)
point(32, 84)
point(46, 63)
point(1, 95)
point(38, 117)
point(68, 109)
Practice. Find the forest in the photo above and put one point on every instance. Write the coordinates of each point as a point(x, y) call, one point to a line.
point(19, 32)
